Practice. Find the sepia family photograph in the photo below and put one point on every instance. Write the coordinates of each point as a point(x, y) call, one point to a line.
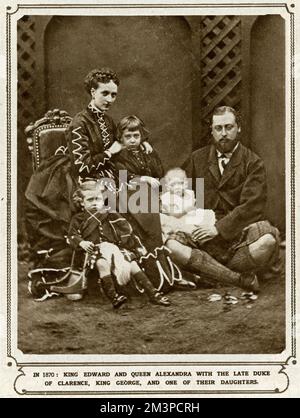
point(151, 184)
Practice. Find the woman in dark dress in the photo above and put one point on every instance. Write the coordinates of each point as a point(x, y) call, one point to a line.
point(92, 143)
point(91, 134)
point(91, 140)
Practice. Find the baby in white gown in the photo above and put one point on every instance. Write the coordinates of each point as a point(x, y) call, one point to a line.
point(180, 216)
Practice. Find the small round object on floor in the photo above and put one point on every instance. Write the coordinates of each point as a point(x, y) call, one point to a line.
point(74, 296)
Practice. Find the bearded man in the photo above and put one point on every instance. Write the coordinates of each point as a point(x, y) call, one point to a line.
point(241, 242)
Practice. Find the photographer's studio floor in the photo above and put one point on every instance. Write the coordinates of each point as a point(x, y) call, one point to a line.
point(191, 325)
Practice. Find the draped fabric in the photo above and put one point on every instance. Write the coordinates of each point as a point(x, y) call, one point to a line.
point(50, 205)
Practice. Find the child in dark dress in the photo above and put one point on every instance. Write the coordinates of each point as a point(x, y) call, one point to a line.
point(109, 240)
point(147, 168)
point(142, 167)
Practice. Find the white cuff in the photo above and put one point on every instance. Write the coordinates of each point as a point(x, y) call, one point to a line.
point(108, 153)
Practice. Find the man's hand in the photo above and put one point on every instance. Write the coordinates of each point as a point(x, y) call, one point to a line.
point(151, 181)
point(147, 147)
point(88, 246)
point(204, 233)
point(115, 148)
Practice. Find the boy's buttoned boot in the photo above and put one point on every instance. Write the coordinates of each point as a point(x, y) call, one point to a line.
point(109, 290)
point(154, 296)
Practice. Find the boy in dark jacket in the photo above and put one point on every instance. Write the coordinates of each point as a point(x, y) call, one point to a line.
point(109, 240)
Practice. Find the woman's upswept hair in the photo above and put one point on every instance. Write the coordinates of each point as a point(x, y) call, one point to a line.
point(132, 123)
point(102, 75)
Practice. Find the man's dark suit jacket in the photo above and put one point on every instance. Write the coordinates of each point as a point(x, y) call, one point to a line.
point(238, 196)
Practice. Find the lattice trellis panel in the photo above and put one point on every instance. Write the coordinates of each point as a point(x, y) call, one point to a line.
point(26, 114)
point(26, 72)
point(221, 61)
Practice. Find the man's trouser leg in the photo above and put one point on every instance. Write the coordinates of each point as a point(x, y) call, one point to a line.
point(243, 260)
point(202, 263)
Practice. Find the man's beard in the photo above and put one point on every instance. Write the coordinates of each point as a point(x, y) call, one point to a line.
point(225, 145)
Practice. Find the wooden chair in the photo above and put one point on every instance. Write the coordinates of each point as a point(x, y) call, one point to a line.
point(46, 136)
